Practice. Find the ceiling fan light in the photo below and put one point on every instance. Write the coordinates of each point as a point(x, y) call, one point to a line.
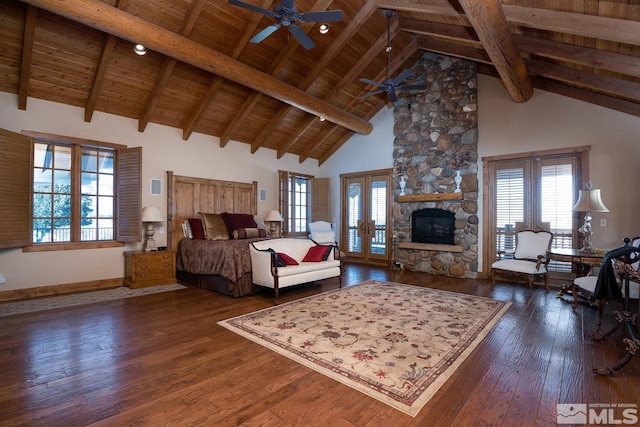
point(324, 28)
point(139, 49)
point(323, 118)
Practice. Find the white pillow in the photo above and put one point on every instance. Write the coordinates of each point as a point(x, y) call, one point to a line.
point(186, 230)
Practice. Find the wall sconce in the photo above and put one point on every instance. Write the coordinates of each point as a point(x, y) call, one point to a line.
point(273, 217)
point(588, 201)
point(139, 49)
point(324, 28)
point(150, 214)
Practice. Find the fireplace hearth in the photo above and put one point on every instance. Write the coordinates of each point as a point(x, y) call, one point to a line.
point(433, 226)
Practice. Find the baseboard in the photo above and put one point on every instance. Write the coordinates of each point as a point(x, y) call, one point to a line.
point(67, 288)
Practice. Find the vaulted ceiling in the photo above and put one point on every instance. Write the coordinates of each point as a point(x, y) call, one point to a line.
point(202, 74)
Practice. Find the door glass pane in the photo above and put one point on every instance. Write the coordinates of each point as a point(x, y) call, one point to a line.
point(556, 201)
point(378, 207)
point(509, 205)
point(354, 216)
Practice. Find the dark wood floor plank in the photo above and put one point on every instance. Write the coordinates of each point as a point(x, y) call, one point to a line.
point(162, 359)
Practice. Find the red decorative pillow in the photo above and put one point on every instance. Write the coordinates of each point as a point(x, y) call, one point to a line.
point(287, 259)
point(317, 253)
point(196, 228)
point(234, 221)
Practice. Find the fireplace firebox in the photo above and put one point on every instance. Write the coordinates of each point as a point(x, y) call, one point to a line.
point(433, 226)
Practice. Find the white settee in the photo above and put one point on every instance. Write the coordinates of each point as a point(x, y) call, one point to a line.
point(267, 266)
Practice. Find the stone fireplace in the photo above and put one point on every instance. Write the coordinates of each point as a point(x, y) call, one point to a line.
point(435, 149)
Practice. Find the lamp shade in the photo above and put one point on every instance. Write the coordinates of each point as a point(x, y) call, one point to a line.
point(589, 201)
point(151, 214)
point(274, 216)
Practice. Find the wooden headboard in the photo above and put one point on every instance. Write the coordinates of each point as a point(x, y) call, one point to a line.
point(186, 196)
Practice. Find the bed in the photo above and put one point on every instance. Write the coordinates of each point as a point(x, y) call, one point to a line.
point(219, 265)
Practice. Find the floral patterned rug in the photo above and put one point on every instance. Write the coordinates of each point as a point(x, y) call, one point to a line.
point(396, 343)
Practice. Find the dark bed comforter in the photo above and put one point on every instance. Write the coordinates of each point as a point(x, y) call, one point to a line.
point(227, 258)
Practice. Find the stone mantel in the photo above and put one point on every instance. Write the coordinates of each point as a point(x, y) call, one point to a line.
point(430, 247)
point(429, 197)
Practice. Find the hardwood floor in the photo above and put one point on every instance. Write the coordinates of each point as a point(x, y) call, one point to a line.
point(162, 360)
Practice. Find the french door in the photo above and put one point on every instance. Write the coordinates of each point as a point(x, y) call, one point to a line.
point(365, 230)
point(533, 190)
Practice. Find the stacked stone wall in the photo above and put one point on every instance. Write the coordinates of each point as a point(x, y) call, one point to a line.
point(436, 136)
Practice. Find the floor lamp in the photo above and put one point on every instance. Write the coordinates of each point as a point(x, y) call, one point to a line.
point(588, 201)
point(150, 214)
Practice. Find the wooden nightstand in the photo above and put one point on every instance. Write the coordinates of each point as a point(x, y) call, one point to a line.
point(142, 269)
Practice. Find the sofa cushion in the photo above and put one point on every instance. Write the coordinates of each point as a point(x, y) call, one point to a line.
point(317, 253)
point(286, 259)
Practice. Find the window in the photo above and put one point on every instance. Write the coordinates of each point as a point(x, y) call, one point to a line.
point(59, 204)
point(83, 194)
point(533, 190)
point(295, 201)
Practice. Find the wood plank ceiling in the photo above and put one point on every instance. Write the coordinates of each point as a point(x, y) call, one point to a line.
point(202, 74)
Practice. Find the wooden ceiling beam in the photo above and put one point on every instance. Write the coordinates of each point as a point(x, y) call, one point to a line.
point(26, 57)
point(490, 24)
point(97, 14)
point(348, 78)
point(274, 68)
point(345, 35)
point(451, 49)
point(216, 81)
point(597, 83)
point(186, 27)
point(101, 69)
point(598, 27)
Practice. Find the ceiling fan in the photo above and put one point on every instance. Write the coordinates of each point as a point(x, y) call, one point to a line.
point(286, 14)
point(390, 85)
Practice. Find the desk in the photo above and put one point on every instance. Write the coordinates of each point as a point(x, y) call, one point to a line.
point(583, 261)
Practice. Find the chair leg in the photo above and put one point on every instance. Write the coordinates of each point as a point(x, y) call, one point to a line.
point(493, 276)
point(530, 282)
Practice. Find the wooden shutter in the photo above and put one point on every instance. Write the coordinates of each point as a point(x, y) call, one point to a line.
point(128, 205)
point(15, 191)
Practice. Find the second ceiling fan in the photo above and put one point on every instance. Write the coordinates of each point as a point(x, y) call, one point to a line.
point(287, 15)
point(390, 85)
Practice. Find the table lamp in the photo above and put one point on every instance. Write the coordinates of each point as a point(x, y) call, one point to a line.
point(150, 214)
point(273, 217)
point(588, 201)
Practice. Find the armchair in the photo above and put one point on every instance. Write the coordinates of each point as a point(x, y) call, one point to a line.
point(529, 258)
point(321, 232)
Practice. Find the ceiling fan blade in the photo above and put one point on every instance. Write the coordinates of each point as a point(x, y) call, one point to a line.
point(391, 93)
point(251, 7)
point(412, 87)
point(402, 77)
point(326, 16)
point(371, 82)
point(366, 95)
point(302, 37)
point(264, 33)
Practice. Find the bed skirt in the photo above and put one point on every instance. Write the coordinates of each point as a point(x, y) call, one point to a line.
point(214, 282)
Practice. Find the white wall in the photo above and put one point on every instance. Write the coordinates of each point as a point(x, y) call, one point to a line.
point(547, 121)
point(163, 149)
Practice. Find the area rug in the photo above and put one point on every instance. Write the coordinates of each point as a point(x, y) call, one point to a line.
point(48, 303)
point(394, 342)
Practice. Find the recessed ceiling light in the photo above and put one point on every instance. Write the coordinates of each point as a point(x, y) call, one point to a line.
point(140, 49)
point(324, 28)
